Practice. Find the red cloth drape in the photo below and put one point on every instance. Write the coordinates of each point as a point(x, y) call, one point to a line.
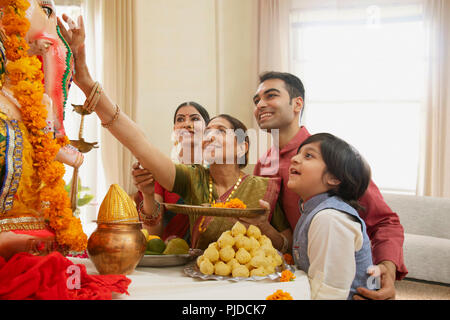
point(54, 277)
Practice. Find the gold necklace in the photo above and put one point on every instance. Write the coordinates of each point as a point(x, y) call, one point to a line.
point(231, 194)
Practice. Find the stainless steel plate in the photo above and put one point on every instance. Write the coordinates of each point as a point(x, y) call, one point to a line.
point(170, 260)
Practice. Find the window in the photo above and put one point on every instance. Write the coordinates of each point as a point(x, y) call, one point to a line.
point(89, 172)
point(363, 69)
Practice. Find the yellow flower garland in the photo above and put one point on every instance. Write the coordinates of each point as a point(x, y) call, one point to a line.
point(27, 85)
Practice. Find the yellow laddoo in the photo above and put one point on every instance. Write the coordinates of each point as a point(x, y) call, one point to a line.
point(253, 231)
point(257, 252)
point(248, 244)
point(259, 272)
point(278, 260)
point(243, 256)
point(238, 228)
point(240, 241)
point(213, 245)
point(254, 243)
point(232, 262)
point(200, 260)
point(206, 267)
point(270, 269)
point(212, 254)
point(226, 254)
point(268, 250)
point(265, 240)
point(225, 240)
point(259, 261)
point(249, 266)
point(240, 271)
point(222, 269)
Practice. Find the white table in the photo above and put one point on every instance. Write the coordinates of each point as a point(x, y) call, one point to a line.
point(172, 284)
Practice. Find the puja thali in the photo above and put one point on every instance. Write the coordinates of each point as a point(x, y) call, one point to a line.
point(207, 210)
point(170, 260)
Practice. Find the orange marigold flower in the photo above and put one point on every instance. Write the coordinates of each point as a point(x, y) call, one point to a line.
point(287, 276)
point(14, 24)
point(233, 203)
point(280, 295)
point(288, 258)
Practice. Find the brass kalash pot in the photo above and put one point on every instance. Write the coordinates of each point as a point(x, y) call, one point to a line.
point(117, 245)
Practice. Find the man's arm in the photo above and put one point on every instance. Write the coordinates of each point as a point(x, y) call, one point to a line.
point(384, 229)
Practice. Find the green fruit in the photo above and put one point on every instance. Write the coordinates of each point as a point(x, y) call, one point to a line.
point(177, 246)
point(156, 246)
point(152, 253)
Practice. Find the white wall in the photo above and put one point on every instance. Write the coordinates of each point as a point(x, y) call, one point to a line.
point(200, 50)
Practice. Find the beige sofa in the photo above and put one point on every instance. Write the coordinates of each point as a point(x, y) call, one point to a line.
point(426, 248)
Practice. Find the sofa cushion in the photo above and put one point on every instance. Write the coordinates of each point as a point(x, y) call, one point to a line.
point(427, 258)
point(425, 216)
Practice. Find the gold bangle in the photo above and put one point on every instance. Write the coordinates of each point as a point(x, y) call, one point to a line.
point(88, 101)
point(116, 116)
point(95, 99)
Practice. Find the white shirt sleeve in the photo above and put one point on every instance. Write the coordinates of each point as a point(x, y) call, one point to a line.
point(333, 239)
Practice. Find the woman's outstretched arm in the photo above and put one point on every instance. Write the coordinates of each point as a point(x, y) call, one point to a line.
point(119, 124)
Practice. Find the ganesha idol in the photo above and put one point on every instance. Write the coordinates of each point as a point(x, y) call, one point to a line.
point(25, 225)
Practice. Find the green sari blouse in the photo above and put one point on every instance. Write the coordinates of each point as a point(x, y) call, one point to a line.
point(192, 184)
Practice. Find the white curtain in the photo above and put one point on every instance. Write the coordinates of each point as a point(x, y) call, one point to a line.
point(274, 35)
point(119, 82)
point(435, 162)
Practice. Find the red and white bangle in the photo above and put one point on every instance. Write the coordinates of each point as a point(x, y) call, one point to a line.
point(152, 220)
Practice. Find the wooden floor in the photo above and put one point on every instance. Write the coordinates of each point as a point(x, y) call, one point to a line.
point(419, 290)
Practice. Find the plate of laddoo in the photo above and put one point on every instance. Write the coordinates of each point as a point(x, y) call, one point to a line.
point(239, 254)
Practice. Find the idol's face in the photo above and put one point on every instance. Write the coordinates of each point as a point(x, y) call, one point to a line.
point(48, 45)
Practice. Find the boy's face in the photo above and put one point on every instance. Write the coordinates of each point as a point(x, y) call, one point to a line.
point(308, 175)
point(274, 108)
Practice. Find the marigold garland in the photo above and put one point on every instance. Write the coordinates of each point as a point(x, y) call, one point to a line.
point(27, 86)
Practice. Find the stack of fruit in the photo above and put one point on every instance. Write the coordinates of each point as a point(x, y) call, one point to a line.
point(156, 246)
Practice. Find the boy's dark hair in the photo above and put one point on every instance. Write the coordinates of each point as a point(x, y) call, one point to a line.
point(241, 135)
point(203, 112)
point(294, 85)
point(346, 164)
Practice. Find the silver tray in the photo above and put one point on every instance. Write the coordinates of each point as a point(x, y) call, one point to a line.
point(170, 260)
point(214, 212)
point(193, 271)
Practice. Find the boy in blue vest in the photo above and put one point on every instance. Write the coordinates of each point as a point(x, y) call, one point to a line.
point(330, 239)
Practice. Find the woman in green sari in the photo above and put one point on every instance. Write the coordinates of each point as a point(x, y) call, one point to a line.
point(226, 150)
point(224, 180)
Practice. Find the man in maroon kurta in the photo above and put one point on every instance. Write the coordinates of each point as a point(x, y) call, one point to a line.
point(279, 104)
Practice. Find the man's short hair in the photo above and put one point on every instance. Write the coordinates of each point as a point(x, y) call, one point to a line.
point(294, 85)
